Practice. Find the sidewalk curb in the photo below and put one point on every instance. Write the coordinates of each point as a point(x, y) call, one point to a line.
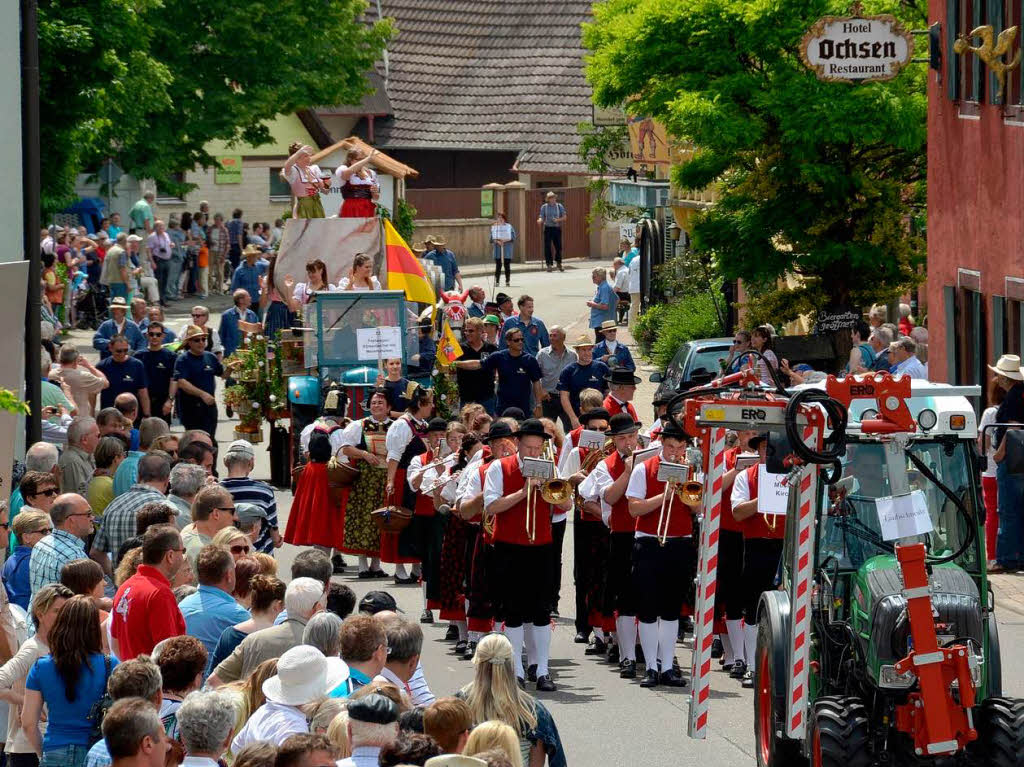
point(1003, 597)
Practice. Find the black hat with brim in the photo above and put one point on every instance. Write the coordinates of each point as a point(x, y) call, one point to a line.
point(499, 430)
point(437, 424)
point(513, 412)
point(672, 430)
point(597, 414)
point(377, 602)
point(532, 427)
point(622, 377)
point(757, 439)
point(622, 423)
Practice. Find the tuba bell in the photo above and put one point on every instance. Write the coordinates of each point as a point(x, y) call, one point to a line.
point(556, 491)
point(691, 493)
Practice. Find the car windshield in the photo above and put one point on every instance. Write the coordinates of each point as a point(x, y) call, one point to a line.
point(850, 530)
point(708, 359)
point(674, 374)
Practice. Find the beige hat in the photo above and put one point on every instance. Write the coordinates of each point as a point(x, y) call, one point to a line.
point(134, 238)
point(193, 331)
point(1008, 366)
point(609, 325)
point(118, 302)
point(583, 340)
point(252, 250)
point(454, 760)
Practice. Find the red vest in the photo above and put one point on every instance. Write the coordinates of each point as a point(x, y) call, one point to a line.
point(614, 408)
point(621, 521)
point(424, 503)
point(571, 440)
point(760, 525)
point(727, 521)
point(510, 525)
point(680, 522)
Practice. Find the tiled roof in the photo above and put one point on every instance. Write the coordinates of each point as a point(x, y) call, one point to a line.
point(375, 103)
point(504, 75)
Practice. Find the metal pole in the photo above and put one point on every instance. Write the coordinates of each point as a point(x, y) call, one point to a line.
point(31, 202)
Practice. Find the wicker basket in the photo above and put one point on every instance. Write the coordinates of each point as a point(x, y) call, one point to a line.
point(391, 519)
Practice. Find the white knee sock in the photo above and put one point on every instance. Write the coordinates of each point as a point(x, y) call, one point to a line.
point(417, 569)
point(423, 590)
point(667, 633)
point(515, 636)
point(541, 643)
point(626, 626)
point(735, 629)
point(463, 630)
point(531, 651)
point(475, 636)
point(363, 564)
point(750, 643)
point(727, 655)
point(401, 572)
point(649, 641)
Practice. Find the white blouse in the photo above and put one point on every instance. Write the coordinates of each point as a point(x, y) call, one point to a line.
point(345, 282)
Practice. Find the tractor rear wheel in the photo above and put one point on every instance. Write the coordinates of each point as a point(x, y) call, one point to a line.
point(773, 749)
point(839, 733)
point(1000, 723)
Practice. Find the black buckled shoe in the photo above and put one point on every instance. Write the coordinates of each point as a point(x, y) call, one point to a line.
point(409, 581)
point(628, 669)
point(531, 672)
point(580, 638)
point(650, 679)
point(717, 651)
point(672, 679)
point(544, 684)
point(470, 651)
point(339, 564)
point(460, 647)
point(597, 648)
point(451, 633)
point(613, 653)
point(739, 668)
point(426, 616)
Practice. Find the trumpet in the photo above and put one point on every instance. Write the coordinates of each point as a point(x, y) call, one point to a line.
point(690, 493)
point(441, 482)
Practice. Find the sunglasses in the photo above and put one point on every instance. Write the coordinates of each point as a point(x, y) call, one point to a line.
point(239, 549)
point(118, 351)
point(48, 493)
point(42, 530)
point(225, 508)
point(198, 314)
point(515, 340)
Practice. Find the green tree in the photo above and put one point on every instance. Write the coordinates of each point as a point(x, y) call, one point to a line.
point(152, 82)
point(817, 180)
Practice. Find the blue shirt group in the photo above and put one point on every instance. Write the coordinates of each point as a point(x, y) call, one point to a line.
point(535, 334)
point(200, 370)
point(515, 378)
point(445, 259)
point(159, 366)
point(129, 375)
point(577, 377)
point(108, 329)
point(208, 612)
point(605, 295)
point(622, 357)
point(15, 575)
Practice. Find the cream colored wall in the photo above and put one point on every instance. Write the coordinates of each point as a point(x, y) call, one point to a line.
point(468, 239)
point(252, 195)
point(284, 129)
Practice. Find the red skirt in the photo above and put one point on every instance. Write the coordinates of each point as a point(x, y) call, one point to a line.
point(453, 569)
point(357, 207)
point(389, 541)
point(314, 520)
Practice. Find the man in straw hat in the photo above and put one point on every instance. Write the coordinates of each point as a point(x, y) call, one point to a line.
point(610, 351)
point(194, 382)
point(1010, 537)
point(522, 550)
point(584, 373)
point(248, 273)
point(117, 325)
point(303, 675)
point(444, 258)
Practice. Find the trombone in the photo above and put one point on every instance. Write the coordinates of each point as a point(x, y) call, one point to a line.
point(690, 493)
point(553, 491)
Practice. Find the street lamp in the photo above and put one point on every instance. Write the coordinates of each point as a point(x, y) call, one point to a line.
point(674, 232)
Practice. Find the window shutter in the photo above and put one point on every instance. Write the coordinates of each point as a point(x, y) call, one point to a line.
point(978, 70)
point(952, 60)
point(949, 300)
point(998, 327)
point(996, 17)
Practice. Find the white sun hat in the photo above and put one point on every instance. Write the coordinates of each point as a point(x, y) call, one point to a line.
point(303, 675)
point(1009, 366)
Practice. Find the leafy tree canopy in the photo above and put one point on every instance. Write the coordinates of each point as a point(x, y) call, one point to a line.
point(150, 82)
point(819, 180)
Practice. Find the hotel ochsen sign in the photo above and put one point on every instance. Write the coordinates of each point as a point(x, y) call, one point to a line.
point(856, 48)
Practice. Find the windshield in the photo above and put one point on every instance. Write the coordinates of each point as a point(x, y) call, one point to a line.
point(708, 360)
point(850, 530)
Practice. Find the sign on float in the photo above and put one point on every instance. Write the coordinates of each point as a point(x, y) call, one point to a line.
point(857, 48)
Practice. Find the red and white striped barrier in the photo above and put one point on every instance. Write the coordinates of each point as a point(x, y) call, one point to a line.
point(707, 574)
point(800, 610)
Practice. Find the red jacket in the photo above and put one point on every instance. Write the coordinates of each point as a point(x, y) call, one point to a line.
point(510, 525)
point(621, 521)
point(145, 613)
point(727, 521)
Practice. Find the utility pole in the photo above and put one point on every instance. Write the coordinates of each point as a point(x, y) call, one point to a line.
point(30, 197)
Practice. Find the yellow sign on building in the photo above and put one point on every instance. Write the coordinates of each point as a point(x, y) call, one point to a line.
point(648, 141)
point(229, 169)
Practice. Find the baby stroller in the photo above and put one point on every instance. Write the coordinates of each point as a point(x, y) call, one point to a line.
point(91, 307)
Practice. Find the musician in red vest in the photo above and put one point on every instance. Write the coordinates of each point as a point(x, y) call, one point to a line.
point(621, 388)
point(608, 482)
point(427, 528)
point(522, 550)
point(663, 558)
point(763, 536)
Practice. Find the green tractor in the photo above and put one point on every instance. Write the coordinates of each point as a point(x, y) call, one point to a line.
point(864, 704)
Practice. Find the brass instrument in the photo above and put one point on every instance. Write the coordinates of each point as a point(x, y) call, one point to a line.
point(594, 457)
point(441, 482)
point(555, 491)
point(690, 493)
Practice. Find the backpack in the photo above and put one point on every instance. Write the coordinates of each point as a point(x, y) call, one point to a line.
point(99, 709)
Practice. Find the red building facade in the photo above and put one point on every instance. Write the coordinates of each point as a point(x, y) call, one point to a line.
point(975, 286)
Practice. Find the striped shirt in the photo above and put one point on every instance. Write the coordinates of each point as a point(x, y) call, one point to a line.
point(245, 490)
point(50, 555)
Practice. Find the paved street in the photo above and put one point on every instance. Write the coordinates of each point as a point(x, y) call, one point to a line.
point(604, 720)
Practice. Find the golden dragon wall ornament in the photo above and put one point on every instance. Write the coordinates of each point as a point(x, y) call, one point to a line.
point(991, 53)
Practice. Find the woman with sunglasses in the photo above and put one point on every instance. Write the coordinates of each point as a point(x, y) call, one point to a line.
point(39, 490)
point(234, 540)
point(29, 528)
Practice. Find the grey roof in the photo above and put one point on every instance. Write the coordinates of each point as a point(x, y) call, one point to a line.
point(375, 103)
point(504, 75)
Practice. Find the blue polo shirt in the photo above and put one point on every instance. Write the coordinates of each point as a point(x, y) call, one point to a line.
point(577, 377)
point(159, 367)
point(445, 259)
point(515, 378)
point(128, 376)
point(200, 370)
point(248, 277)
point(535, 334)
point(208, 612)
point(605, 295)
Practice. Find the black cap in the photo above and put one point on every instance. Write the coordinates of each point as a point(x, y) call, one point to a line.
point(513, 412)
point(374, 709)
point(596, 414)
point(437, 424)
point(499, 430)
point(661, 399)
point(672, 430)
point(532, 427)
point(502, 298)
point(377, 602)
point(757, 439)
point(622, 423)
point(622, 377)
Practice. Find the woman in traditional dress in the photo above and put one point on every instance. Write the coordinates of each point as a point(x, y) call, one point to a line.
point(364, 445)
point(306, 182)
point(405, 441)
point(361, 276)
point(277, 316)
point(358, 184)
point(316, 282)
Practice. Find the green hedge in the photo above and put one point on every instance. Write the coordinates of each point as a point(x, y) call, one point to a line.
point(663, 328)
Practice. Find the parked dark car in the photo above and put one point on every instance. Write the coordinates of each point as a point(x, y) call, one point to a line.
point(696, 363)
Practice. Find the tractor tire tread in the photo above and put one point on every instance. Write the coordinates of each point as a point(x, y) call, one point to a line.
point(843, 731)
point(1001, 732)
